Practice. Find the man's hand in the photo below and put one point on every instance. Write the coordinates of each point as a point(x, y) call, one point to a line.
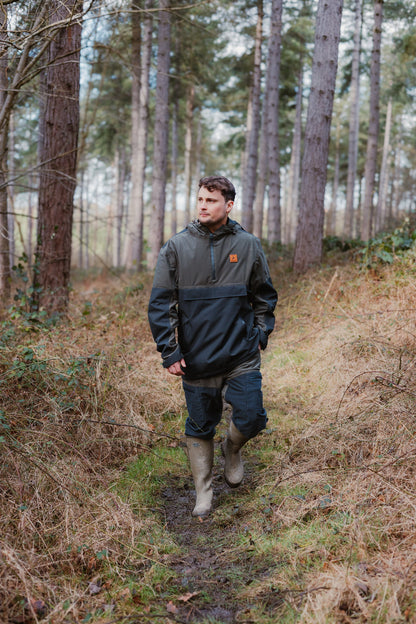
point(176, 368)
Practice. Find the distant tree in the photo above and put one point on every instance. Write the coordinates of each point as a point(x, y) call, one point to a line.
point(331, 215)
point(354, 122)
point(141, 58)
point(58, 155)
point(20, 54)
point(294, 167)
point(272, 114)
point(4, 225)
point(261, 182)
point(161, 135)
point(374, 125)
point(189, 123)
point(308, 247)
point(253, 129)
point(381, 211)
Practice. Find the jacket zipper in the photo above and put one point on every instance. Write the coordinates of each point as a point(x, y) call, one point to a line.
point(211, 246)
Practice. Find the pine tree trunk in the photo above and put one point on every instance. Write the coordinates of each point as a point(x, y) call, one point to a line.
point(373, 129)
point(308, 248)
point(262, 173)
point(11, 194)
point(272, 86)
point(295, 160)
point(139, 130)
point(331, 217)
point(190, 97)
point(4, 225)
point(384, 172)
point(58, 156)
point(30, 224)
point(174, 169)
point(253, 129)
point(161, 132)
point(120, 182)
point(354, 123)
point(397, 173)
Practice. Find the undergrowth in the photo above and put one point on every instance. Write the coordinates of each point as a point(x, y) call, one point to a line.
point(90, 436)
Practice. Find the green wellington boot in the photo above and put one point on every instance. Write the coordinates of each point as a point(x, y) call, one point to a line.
point(201, 457)
point(233, 468)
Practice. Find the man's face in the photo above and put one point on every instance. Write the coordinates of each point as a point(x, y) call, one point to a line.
point(212, 208)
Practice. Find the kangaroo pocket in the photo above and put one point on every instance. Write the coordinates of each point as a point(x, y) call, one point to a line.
point(216, 327)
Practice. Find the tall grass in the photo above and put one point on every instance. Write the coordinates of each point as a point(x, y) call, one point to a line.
point(80, 401)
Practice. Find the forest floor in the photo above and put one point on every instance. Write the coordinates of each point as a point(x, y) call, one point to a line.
point(96, 496)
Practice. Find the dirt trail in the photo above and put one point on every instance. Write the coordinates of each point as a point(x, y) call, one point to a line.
point(204, 567)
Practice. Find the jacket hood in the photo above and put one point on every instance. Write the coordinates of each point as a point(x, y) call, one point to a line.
point(197, 229)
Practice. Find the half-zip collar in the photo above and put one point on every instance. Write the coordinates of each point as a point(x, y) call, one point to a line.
point(197, 229)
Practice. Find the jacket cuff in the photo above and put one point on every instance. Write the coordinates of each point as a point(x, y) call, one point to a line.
point(171, 359)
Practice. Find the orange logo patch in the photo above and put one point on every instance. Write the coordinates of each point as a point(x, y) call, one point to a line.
point(233, 258)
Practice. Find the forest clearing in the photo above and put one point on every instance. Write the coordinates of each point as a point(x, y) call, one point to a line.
point(95, 508)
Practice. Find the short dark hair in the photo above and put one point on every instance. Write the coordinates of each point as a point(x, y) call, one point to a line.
point(219, 183)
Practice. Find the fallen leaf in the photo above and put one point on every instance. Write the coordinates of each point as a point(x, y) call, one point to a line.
point(188, 596)
point(125, 593)
point(94, 588)
point(171, 608)
point(38, 606)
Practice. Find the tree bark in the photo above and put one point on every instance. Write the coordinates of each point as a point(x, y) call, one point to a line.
point(331, 217)
point(4, 224)
point(190, 97)
point(174, 169)
point(295, 160)
point(272, 86)
point(308, 247)
point(373, 129)
point(119, 203)
point(253, 129)
point(354, 123)
point(262, 173)
point(58, 156)
point(161, 132)
point(384, 172)
point(139, 130)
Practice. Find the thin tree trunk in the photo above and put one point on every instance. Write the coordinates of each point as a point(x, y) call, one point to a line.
point(331, 222)
point(11, 194)
point(354, 123)
point(120, 183)
point(262, 173)
point(384, 172)
point(30, 219)
point(272, 86)
point(139, 132)
point(174, 169)
point(4, 224)
point(190, 97)
point(308, 248)
point(161, 132)
point(295, 160)
point(197, 158)
point(373, 129)
point(396, 186)
point(58, 156)
point(253, 129)
point(81, 221)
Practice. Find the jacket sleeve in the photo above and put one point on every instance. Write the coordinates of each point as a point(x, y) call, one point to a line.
point(163, 307)
point(263, 297)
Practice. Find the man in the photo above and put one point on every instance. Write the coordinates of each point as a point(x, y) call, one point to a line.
point(210, 312)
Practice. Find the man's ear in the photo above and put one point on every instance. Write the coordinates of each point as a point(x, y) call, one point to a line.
point(230, 204)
